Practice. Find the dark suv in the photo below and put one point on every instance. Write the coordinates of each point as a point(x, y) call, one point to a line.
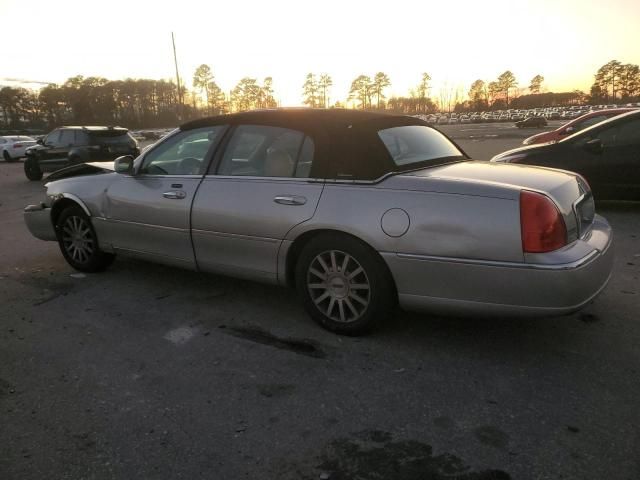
point(70, 145)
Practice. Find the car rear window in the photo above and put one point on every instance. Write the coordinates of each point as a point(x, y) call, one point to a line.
point(415, 144)
point(111, 137)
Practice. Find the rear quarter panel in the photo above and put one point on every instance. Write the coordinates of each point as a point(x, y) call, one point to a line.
point(440, 223)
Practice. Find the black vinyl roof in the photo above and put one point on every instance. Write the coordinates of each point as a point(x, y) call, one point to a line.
point(308, 118)
point(347, 145)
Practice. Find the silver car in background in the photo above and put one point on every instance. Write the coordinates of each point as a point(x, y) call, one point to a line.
point(358, 211)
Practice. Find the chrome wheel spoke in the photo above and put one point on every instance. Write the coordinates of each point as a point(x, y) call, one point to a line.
point(359, 286)
point(323, 264)
point(341, 309)
point(317, 286)
point(358, 299)
point(332, 303)
point(321, 297)
point(355, 273)
point(317, 273)
point(345, 263)
point(351, 307)
point(334, 265)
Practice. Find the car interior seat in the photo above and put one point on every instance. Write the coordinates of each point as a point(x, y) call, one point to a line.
point(278, 164)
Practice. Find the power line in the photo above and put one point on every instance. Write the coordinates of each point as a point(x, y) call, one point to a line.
point(22, 80)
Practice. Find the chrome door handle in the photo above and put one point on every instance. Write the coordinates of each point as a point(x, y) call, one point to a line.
point(290, 200)
point(175, 194)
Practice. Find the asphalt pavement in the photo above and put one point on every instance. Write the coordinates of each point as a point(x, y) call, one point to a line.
point(151, 372)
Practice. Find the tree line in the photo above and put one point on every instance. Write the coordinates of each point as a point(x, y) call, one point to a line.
point(138, 103)
point(134, 103)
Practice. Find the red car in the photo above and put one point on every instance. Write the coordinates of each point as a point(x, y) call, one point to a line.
point(575, 125)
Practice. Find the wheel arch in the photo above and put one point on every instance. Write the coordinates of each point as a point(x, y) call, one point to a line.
point(66, 200)
point(293, 253)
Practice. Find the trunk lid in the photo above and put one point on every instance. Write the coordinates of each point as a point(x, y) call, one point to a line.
point(570, 193)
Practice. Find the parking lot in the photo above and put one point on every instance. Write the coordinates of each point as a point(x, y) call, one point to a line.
point(146, 372)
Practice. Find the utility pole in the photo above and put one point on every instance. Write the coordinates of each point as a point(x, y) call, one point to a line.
point(175, 61)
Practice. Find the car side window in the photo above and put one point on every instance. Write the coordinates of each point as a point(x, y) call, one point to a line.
point(53, 139)
point(184, 153)
point(590, 121)
point(264, 151)
point(67, 138)
point(628, 134)
point(81, 138)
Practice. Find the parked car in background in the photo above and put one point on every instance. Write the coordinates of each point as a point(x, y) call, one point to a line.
point(532, 122)
point(357, 210)
point(607, 155)
point(575, 125)
point(13, 148)
point(71, 145)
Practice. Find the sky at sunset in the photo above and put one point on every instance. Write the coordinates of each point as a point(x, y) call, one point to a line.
point(456, 41)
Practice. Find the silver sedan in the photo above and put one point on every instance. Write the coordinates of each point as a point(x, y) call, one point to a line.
point(357, 211)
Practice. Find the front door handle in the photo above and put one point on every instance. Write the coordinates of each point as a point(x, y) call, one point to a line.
point(290, 200)
point(175, 194)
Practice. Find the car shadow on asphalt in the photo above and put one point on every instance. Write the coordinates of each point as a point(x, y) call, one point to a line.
point(246, 304)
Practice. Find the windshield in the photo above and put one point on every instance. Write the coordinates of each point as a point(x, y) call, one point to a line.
point(414, 144)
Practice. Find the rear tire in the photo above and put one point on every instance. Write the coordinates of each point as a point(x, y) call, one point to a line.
point(345, 286)
point(79, 243)
point(8, 158)
point(32, 169)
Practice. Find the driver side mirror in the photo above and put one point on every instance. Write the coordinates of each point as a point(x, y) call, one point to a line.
point(124, 165)
point(40, 141)
point(594, 146)
point(569, 130)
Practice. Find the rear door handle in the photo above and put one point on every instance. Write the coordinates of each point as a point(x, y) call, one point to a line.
point(290, 200)
point(175, 194)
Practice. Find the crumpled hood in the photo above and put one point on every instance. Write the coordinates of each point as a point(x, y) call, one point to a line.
point(90, 168)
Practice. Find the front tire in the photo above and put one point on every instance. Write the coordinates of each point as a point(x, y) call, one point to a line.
point(8, 158)
point(79, 243)
point(32, 169)
point(344, 285)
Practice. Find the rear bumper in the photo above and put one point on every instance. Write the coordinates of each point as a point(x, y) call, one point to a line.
point(562, 283)
point(38, 221)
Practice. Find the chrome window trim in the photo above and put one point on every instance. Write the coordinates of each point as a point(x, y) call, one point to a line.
point(489, 263)
point(146, 175)
point(264, 179)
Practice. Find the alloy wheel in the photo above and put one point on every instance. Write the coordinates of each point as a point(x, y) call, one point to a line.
point(339, 286)
point(77, 239)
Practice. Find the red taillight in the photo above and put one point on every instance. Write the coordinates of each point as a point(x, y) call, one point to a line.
point(17, 145)
point(541, 224)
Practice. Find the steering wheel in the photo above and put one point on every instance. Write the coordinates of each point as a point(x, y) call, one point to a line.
point(190, 166)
